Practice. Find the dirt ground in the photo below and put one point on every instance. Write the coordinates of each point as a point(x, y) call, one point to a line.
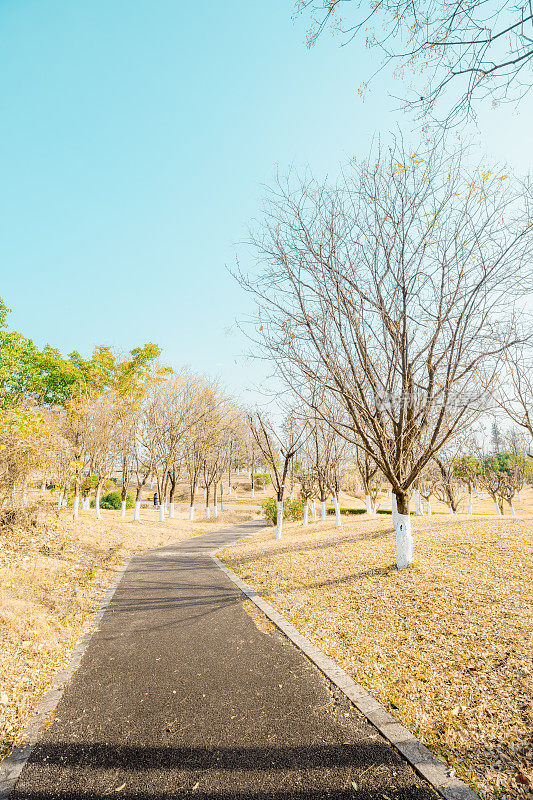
point(52, 576)
point(446, 645)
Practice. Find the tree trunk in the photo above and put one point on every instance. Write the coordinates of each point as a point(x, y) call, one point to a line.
point(122, 508)
point(429, 507)
point(161, 516)
point(306, 514)
point(313, 511)
point(368, 503)
point(97, 499)
point(513, 512)
point(404, 538)
point(279, 518)
point(470, 502)
point(337, 512)
point(191, 513)
point(76, 504)
point(418, 503)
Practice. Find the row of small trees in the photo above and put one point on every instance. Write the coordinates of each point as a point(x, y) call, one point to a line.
point(72, 424)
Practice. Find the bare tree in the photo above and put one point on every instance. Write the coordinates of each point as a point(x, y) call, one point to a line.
point(391, 291)
point(277, 450)
point(472, 50)
point(368, 471)
point(514, 391)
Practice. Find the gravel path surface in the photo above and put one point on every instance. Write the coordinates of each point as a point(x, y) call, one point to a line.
point(180, 694)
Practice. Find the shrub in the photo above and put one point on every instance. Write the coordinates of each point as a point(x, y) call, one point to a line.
point(386, 511)
point(262, 479)
point(349, 511)
point(292, 510)
point(113, 500)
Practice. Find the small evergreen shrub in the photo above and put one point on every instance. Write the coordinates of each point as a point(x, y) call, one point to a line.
point(347, 511)
point(292, 510)
point(262, 479)
point(113, 500)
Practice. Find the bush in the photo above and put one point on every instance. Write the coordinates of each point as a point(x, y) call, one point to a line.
point(348, 511)
point(113, 500)
point(386, 511)
point(262, 479)
point(292, 510)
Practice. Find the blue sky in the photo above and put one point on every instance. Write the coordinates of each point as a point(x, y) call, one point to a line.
point(136, 139)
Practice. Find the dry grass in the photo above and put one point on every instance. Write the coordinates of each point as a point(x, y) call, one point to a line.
point(446, 645)
point(51, 577)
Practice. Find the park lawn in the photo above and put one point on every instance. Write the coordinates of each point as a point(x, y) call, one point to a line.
point(446, 645)
point(51, 579)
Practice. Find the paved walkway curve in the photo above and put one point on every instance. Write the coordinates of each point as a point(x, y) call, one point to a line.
point(179, 694)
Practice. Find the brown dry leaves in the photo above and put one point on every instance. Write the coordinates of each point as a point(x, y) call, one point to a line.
point(445, 645)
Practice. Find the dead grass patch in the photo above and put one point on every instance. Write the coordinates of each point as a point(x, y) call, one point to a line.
point(446, 646)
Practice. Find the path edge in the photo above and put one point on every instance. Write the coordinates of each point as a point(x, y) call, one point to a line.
point(12, 765)
point(421, 759)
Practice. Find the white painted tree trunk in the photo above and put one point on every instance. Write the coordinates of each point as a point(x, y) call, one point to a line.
point(394, 505)
point(477, 492)
point(337, 512)
point(513, 512)
point(498, 512)
point(313, 510)
point(418, 503)
point(470, 502)
point(404, 541)
point(429, 507)
point(253, 492)
point(76, 506)
point(322, 509)
point(306, 515)
point(196, 490)
point(136, 510)
point(151, 483)
point(482, 495)
point(123, 508)
point(191, 513)
point(368, 502)
point(97, 504)
point(207, 512)
point(279, 518)
point(518, 496)
point(215, 511)
point(161, 516)
point(171, 512)
point(452, 511)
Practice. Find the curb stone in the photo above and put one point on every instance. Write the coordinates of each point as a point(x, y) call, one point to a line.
point(435, 772)
point(13, 764)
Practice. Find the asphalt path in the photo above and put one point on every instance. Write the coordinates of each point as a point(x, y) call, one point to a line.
point(180, 694)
